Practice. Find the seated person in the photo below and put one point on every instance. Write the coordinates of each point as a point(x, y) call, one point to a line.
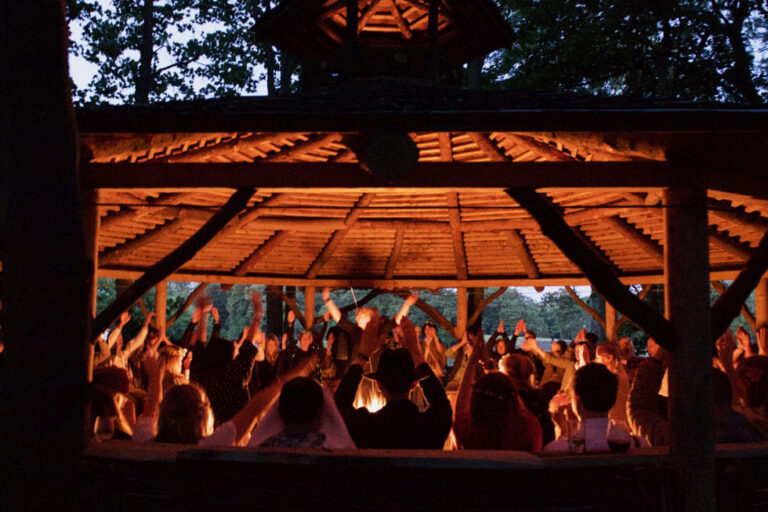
point(399, 424)
point(304, 416)
point(594, 393)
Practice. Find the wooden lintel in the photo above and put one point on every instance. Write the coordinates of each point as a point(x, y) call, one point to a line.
point(720, 288)
point(583, 305)
point(339, 235)
point(305, 175)
point(388, 284)
point(260, 253)
point(727, 306)
point(188, 302)
point(446, 152)
point(459, 254)
point(491, 150)
point(173, 261)
point(601, 276)
point(394, 256)
point(638, 238)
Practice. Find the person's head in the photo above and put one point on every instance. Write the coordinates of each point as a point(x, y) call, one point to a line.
point(652, 347)
point(751, 382)
point(494, 401)
point(430, 330)
point(558, 348)
point(218, 354)
point(271, 344)
point(594, 389)
point(185, 415)
point(172, 356)
point(517, 367)
point(301, 405)
point(607, 355)
point(306, 339)
point(501, 347)
point(364, 315)
point(108, 382)
point(626, 348)
point(395, 374)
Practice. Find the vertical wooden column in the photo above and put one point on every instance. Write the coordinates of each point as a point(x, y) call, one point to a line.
point(91, 223)
point(610, 322)
point(274, 314)
point(309, 306)
point(161, 296)
point(761, 304)
point(686, 271)
point(474, 301)
point(461, 311)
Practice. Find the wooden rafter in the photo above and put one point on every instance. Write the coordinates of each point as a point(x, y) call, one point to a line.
point(245, 145)
point(261, 252)
point(729, 244)
point(314, 143)
point(165, 267)
point(586, 307)
point(728, 305)
point(642, 295)
point(401, 23)
point(490, 149)
point(637, 237)
point(601, 276)
point(394, 256)
point(134, 212)
point(446, 152)
point(130, 247)
point(366, 17)
point(520, 247)
point(190, 300)
point(339, 235)
point(540, 148)
point(723, 210)
point(459, 253)
point(720, 288)
point(594, 249)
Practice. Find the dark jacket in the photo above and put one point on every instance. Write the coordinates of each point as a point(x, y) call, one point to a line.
point(399, 424)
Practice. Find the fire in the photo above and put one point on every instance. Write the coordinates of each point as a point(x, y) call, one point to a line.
point(369, 398)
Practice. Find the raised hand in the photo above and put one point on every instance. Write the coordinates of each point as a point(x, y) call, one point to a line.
point(326, 294)
point(529, 344)
point(412, 299)
point(148, 319)
point(520, 327)
point(125, 317)
point(581, 335)
point(291, 317)
point(500, 328)
point(742, 336)
point(284, 340)
point(330, 339)
point(215, 314)
point(187, 361)
point(369, 341)
point(726, 346)
point(762, 341)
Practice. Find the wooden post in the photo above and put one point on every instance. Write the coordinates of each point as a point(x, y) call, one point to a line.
point(761, 304)
point(474, 305)
point(274, 314)
point(461, 311)
point(91, 223)
point(161, 296)
point(610, 322)
point(309, 306)
point(686, 285)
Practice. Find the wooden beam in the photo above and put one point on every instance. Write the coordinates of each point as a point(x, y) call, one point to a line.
point(724, 211)
point(601, 277)
point(727, 306)
point(394, 256)
point(523, 253)
point(314, 143)
point(367, 15)
point(188, 302)
point(261, 252)
point(309, 305)
point(642, 295)
point(761, 304)
point(583, 305)
point(429, 283)
point(720, 287)
point(462, 309)
point(401, 23)
point(481, 306)
point(426, 174)
point(729, 244)
point(173, 261)
point(491, 150)
point(446, 151)
point(637, 238)
point(339, 235)
point(113, 255)
point(459, 255)
point(611, 326)
point(161, 301)
point(291, 303)
point(242, 145)
point(686, 288)
point(540, 148)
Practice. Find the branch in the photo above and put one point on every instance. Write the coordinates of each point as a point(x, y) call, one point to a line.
point(594, 314)
point(480, 307)
point(291, 303)
point(727, 306)
point(174, 260)
point(190, 299)
point(602, 278)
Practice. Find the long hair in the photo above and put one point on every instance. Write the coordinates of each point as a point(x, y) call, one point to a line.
point(751, 384)
point(494, 409)
point(185, 415)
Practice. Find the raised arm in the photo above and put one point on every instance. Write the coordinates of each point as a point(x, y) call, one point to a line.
point(642, 407)
point(330, 306)
point(138, 341)
point(258, 314)
point(464, 396)
point(406, 307)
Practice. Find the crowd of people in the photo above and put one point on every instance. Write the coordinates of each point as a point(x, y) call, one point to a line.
point(314, 390)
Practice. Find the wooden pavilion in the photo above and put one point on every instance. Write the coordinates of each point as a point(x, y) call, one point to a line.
point(383, 175)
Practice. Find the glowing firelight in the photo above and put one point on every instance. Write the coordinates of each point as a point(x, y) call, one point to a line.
point(371, 401)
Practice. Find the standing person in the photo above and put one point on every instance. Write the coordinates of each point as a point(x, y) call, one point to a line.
point(399, 424)
point(433, 350)
point(607, 354)
point(580, 349)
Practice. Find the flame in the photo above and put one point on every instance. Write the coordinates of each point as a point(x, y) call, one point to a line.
point(370, 398)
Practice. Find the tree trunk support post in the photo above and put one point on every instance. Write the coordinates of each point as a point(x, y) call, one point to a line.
point(461, 311)
point(686, 270)
point(309, 306)
point(161, 300)
point(761, 304)
point(610, 322)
